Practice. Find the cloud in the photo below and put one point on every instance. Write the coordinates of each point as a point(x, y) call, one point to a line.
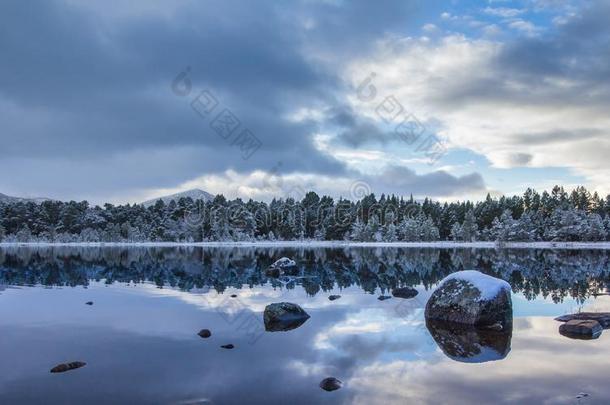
point(503, 11)
point(88, 85)
point(535, 102)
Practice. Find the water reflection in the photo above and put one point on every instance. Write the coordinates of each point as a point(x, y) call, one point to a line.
point(140, 341)
point(469, 344)
point(548, 273)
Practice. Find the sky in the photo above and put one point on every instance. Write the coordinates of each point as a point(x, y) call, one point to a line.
point(120, 102)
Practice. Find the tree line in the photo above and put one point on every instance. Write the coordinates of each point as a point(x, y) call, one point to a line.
point(557, 215)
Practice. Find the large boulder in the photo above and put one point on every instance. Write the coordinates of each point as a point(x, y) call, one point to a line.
point(284, 316)
point(472, 298)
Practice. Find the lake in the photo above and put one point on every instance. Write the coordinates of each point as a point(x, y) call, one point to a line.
point(139, 336)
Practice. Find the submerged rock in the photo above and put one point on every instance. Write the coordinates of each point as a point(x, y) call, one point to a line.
point(89, 303)
point(471, 298)
point(334, 297)
point(330, 384)
point(581, 329)
point(284, 316)
point(60, 368)
point(469, 344)
point(205, 333)
point(229, 346)
point(404, 292)
point(603, 318)
point(281, 266)
point(383, 297)
point(284, 263)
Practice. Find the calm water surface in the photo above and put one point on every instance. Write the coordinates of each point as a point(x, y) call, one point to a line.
point(139, 338)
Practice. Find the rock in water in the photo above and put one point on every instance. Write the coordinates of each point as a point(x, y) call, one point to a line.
point(60, 368)
point(229, 346)
point(602, 317)
point(284, 263)
point(334, 297)
point(383, 297)
point(581, 329)
point(89, 303)
point(284, 316)
point(330, 384)
point(404, 292)
point(282, 266)
point(471, 298)
point(205, 333)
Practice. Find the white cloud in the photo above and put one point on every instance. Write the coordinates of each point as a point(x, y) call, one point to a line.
point(503, 11)
point(484, 107)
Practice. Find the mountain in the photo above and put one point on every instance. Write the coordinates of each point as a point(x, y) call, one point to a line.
point(8, 199)
point(195, 194)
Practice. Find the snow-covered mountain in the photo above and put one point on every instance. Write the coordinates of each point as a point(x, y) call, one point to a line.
point(195, 194)
point(8, 199)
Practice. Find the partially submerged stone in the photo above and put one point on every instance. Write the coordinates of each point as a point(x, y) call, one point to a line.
point(334, 297)
point(330, 384)
point(404, 292)
point(205, 333)
point(281, 266)
point(89, 303)
point(283, 263)
point(229, 346)
point(581, 329)
point(383, 297)
point(60, 368)
point(472, 298)
point(284, 316)
point(603, 318)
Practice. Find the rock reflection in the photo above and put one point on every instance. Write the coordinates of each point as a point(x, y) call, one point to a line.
point(468, 344)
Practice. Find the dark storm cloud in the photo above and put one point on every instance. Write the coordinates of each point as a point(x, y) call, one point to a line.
point(88, 86)
point(435, 184)
point(355, 131)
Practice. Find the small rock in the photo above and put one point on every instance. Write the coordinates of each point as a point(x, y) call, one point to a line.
point(581, 328)
point(602, 317)
point(205, 333)
point(60, 368)
point(284, 316)
point(229, 346)
point(330, 384)
point(334, 297)
point(404, 292)
point(89, 303)
point(383, 297)
point(233, 295)
point(284, 262)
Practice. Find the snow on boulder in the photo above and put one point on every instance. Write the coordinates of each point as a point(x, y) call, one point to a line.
point(284, 262)
point(472, 298)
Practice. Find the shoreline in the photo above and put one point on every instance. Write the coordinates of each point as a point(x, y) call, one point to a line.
point(329, 244)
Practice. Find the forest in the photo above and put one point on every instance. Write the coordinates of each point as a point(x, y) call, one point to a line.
point(558, 215)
